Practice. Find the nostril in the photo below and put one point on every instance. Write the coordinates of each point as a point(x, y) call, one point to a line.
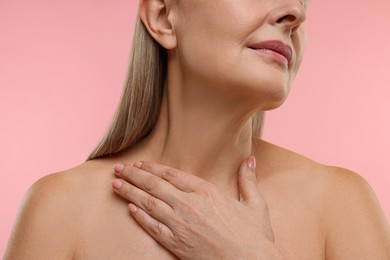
point(286, 18)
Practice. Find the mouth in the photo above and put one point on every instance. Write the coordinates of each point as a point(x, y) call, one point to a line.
point(276, 49)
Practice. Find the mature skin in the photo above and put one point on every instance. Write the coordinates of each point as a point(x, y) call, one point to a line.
point(190, 217)
point(215, 83)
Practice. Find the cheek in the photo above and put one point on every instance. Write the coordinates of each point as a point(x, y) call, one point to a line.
point(206, 52)
point(212, 46)
point(213, 52)
point(239, 74)
point(223, 64)
point(299, 42)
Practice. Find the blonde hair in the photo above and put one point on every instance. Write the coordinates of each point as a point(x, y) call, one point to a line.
point(139, 107)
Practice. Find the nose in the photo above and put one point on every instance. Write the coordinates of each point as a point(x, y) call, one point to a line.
point(289, 14)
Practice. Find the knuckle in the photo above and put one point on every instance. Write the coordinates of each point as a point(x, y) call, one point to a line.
point(248, 177)
point(157, 229)
point(151, 183)
point(150, 204)
point(150, 167)
point(181, 242)
point(169, 174)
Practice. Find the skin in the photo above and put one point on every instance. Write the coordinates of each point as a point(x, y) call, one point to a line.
point(296, 208)
point(190, 217)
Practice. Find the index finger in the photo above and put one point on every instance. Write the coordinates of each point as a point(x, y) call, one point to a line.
point(182, 180)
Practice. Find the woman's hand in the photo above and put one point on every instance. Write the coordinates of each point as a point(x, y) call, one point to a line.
point(189, 217)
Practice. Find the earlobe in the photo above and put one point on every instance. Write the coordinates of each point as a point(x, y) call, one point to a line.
point(155, 16)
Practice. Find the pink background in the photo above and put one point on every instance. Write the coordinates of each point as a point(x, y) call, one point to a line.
point(63, 63)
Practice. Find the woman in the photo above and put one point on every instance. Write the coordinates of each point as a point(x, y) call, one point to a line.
point(200, 182)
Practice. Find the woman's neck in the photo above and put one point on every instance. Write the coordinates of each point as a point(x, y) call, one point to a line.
point(201, 133)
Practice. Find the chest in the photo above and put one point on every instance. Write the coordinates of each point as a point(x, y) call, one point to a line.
point(113, 234)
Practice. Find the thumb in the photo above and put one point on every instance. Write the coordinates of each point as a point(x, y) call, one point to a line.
point(247, 181)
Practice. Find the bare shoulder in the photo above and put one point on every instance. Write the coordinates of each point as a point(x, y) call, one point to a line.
point(69, 188)
point(51, 212)
point(75, 214)
point(356, 226)
point(353, 222)
point(296, 172)
point(332, 180)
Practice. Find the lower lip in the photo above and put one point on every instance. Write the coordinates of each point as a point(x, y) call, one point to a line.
point(276, 56)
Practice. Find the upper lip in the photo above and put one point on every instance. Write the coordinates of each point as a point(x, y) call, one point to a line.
point(276, 46)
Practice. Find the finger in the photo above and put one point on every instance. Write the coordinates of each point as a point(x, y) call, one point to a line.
point(150, 183)
point(153, 206)
point(157, 230)
point(182, 180)
point(247, 181)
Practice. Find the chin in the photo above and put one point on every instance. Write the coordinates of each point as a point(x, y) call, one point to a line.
point(267, 102)
point(272, 106)
point(268, 82)
point(269, 92)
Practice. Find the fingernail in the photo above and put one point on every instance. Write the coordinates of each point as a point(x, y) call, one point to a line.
point(132, 208)
point(251, 162)
point(138, 164)
point(118, 167)
point(117, 184)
